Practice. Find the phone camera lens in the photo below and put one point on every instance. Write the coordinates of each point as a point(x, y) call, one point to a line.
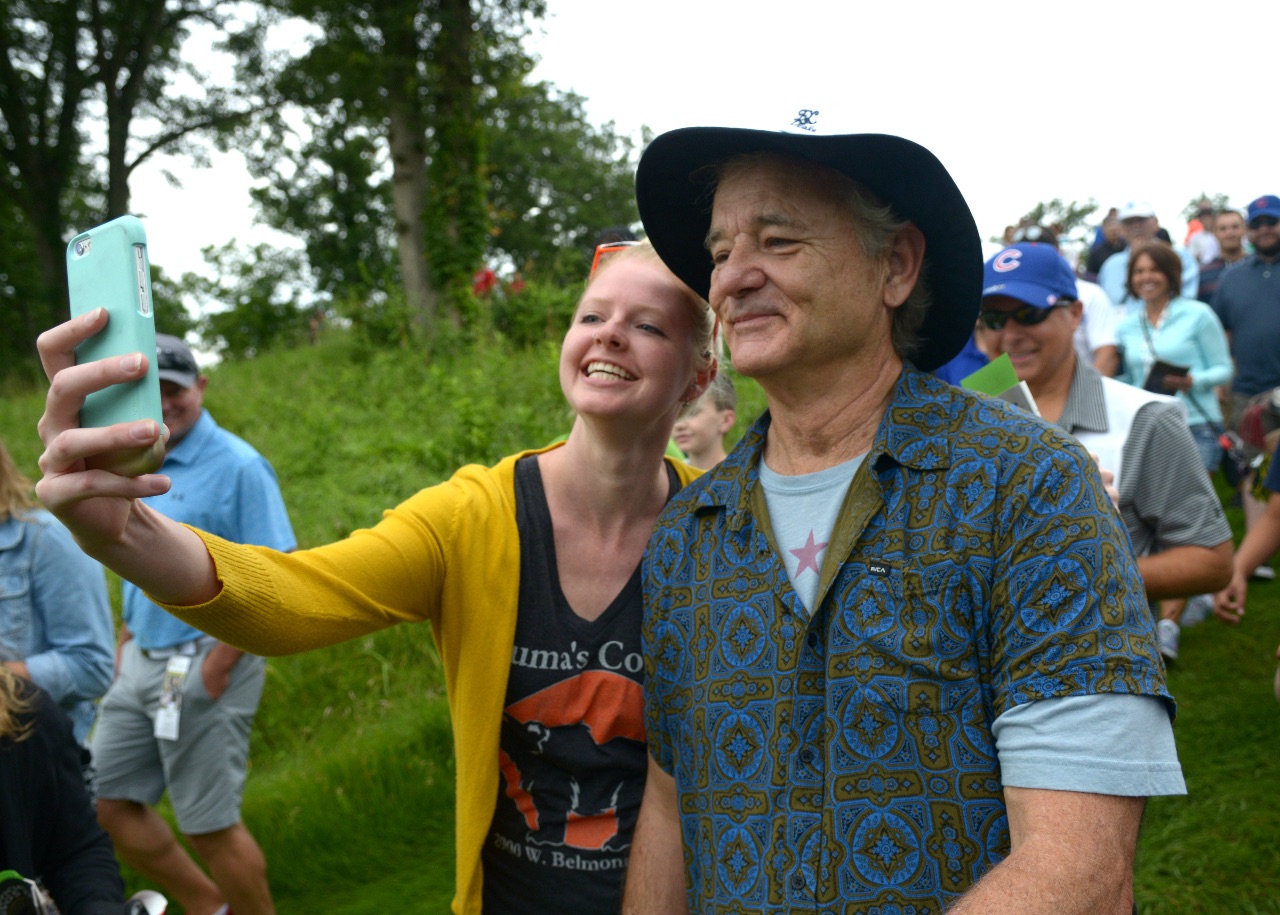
point(79, 249)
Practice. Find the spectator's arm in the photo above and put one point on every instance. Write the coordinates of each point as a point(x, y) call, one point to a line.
point(1072, 854)
point(1182, 571)
point(1213, 345)
point(1259, 545)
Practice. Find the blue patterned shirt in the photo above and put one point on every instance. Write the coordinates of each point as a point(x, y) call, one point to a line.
point(844, 761)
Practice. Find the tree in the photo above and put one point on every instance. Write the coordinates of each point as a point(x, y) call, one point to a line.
point(137, 62)
point(382, 139)
point(1214, 201)
point(257, 301)
point(554, 180)
point(66, 65)
point(1064, 218)
point(43, 84)
point(394, 80)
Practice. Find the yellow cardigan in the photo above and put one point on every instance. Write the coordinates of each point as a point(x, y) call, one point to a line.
point(450, 555)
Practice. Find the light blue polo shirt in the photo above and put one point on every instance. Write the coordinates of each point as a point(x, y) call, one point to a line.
point(222, 485)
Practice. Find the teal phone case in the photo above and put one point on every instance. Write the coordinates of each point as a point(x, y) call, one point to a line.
point(108, 267)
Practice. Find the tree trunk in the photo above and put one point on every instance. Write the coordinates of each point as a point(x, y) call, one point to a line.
point(408, 191)
point(457, 220)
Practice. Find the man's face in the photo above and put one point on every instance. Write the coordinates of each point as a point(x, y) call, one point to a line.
point(1264, 235)
point(1228, 228)
point(794, 291)
point(181, 407)
point(1042, 354)
point(1138, 230)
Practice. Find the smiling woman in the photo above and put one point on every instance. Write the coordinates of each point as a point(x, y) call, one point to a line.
point(543, 666)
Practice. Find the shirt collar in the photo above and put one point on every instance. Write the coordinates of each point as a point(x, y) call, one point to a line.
point(915, 431)
point(1086, 406)
point(11, 530)
point(188, 450)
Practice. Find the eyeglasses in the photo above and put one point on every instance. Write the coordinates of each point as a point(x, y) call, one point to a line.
point(1026, 316)
point(1258, 222)
point(609, 247)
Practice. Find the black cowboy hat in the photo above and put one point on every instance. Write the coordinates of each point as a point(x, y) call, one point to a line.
point(675, 206)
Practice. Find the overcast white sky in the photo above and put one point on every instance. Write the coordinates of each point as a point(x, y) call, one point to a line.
point(1022, 102)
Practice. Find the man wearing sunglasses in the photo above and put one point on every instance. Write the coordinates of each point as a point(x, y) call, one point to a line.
point(1175, 520)
point(1248, 303)
point(879, 675)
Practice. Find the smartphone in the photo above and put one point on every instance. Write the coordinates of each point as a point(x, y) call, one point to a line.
point(107, 267)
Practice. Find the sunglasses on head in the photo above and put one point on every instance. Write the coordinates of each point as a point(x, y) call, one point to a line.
point(1027, 316)
point(1258, 222)
point(609, 247)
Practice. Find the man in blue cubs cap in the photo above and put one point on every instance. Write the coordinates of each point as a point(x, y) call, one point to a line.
point(874, 631)
point(1175, 520)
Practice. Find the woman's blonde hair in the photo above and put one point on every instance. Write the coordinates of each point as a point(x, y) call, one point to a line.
point(706, 342)
point(14, 706)
point(16, 492)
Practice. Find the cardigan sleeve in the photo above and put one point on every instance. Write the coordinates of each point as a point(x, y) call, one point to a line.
point(276, 603)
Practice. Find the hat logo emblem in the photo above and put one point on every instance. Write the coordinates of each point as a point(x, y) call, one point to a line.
point(806, 119)
point(1006, 260)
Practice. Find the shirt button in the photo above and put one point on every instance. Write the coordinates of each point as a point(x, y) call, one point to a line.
point(797, 881)
point(813, 640)
point(807, 756)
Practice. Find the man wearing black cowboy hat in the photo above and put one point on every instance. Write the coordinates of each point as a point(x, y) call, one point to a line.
point(897, 637)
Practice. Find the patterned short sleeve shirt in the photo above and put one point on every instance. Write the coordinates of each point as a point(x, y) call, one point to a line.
point(842, 761)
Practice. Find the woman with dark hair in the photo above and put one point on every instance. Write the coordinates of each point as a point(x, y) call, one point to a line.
point(1175, 345)
point(1167, 328)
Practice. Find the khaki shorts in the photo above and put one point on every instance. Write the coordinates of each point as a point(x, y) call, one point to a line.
point(204, 769)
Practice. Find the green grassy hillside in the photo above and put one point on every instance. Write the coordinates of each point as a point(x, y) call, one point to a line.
point(351, 788)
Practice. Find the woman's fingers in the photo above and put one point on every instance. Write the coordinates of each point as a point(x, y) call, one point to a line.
point(66, 451)
point(64, 490)
point(57, 345)
point(71, 384)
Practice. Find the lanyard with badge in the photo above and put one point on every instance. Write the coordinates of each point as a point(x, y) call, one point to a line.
point(170, 712)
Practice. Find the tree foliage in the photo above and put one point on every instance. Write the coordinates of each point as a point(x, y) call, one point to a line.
point(404, 146)
point(1061, 216)
point(89, 89)
point(512, 173)
point(1215, 201)
point(258, 300)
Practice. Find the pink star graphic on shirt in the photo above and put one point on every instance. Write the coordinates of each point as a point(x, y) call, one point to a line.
point(808, 556)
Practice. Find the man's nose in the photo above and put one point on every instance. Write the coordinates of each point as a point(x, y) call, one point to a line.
point(738, 272)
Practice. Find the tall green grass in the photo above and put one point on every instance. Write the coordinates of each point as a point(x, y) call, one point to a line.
point(351, 787)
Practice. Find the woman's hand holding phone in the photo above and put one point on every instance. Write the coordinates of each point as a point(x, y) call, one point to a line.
point(99, 503)
point(95, 503)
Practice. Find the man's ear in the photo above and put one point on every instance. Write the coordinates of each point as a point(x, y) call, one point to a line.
point(1077, 313)
point(727, 419)
point(905, 261)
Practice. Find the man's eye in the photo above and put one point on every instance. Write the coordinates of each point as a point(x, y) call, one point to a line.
point(652, 329)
